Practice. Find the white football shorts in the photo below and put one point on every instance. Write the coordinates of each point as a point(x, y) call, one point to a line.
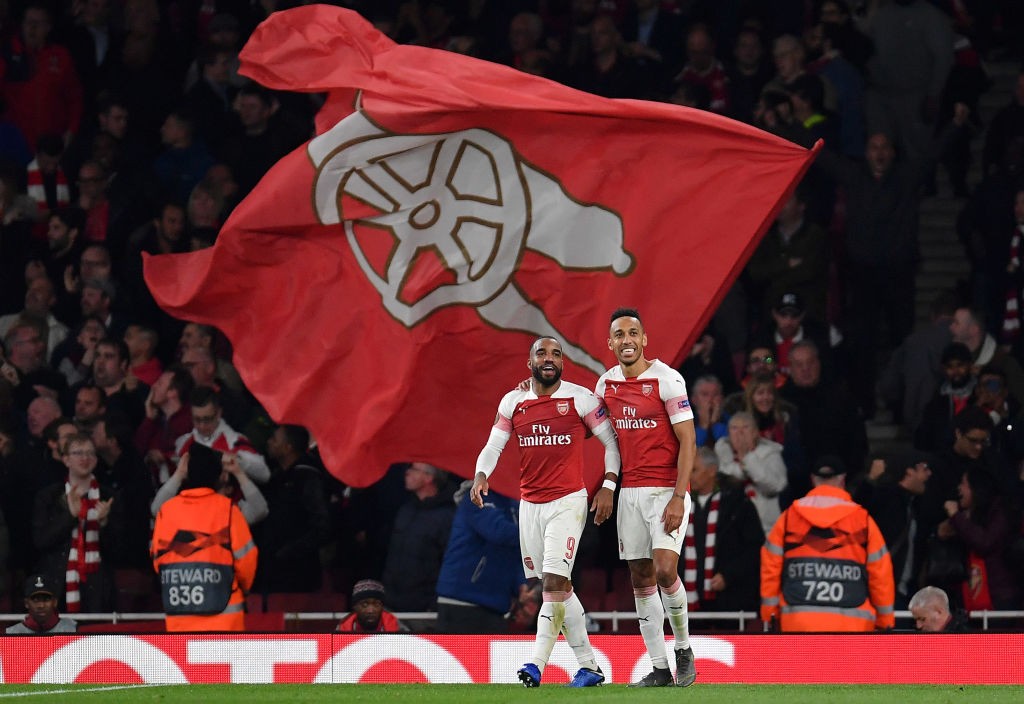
point(549, 534)
point(638, 519)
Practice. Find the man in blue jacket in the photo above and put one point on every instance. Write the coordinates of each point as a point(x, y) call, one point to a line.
point(481, 572)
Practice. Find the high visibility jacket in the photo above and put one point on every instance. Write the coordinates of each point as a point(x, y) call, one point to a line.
point(825, 567)
point(206, 558)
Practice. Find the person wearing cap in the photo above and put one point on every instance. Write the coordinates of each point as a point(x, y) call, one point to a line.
point(893, 494)
point(203, 551)
point(789, 315)
point(368, 612)
point(41, 603)
point(824, 565)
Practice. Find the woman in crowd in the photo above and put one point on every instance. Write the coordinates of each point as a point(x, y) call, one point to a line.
point(984, 524)
point(777, 420)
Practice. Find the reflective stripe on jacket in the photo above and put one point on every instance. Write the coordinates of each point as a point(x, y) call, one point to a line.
point(201, 532)
point(825, 567)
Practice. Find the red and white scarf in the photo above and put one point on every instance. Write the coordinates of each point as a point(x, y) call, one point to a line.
point(37, 191)
point(693, 597)
point(1012, 312)
point(84, 556)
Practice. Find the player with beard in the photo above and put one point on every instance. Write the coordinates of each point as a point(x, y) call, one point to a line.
point(654, 423)
point(550, 420)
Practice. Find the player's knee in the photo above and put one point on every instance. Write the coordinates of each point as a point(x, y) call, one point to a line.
point(555, 582)
point(666, 578)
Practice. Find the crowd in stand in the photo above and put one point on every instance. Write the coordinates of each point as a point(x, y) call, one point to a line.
point(126, 129)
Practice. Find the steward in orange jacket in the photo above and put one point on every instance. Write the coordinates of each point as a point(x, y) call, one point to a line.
point(203, 551)
point(824, 565)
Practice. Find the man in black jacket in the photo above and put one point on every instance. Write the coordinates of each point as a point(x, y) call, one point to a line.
point(290, 537)
point(721, 565)
point(892, 495)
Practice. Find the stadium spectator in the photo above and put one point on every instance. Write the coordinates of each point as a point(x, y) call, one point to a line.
point(756, 463)
point(97, 298)
point(790, 324)
point(41, 89)
point(908, 71)
point(480, 573)
point(125, 395)
point(90, 405)
point(47, 181)
point(184, 161)
point(41, 603)
point(747, 75)
point(930, 609)
point(791, 259)
point(704, 70)
point(723, 542)
point(142, 343)
point(70, 530)
point(168, 417)
point(893, 493)
point(262, 141)
point(368, 612)
point(982, 521)
point(914, 371)
point(297, 526)
point(709, 418)
point(75, 356)
point(222, 373)
point(608, 71)
point(65, 240)
point(40, 298)
point(829, 420)
point(121, 469)
point(209, 99)
point(777, 421)
point(210, 429)
point(418, 539)
point(968, 327)
point(24, 363)
point(233, 483)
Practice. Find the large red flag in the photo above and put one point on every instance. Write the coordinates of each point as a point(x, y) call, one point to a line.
point(383, 283)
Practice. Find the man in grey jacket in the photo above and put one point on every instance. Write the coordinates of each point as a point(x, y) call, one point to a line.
point(41, 603)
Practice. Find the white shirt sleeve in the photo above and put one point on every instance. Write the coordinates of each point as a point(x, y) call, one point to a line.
point(501, 431)
point(254, 466)
point(487, 460)
point(612, 460)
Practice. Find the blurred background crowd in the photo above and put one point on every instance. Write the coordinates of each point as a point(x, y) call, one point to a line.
point(125, 128)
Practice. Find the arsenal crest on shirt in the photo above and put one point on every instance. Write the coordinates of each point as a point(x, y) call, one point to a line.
point(647, 389)
point(562, 407)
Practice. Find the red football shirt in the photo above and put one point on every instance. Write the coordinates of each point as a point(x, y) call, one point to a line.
point(644, 409)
